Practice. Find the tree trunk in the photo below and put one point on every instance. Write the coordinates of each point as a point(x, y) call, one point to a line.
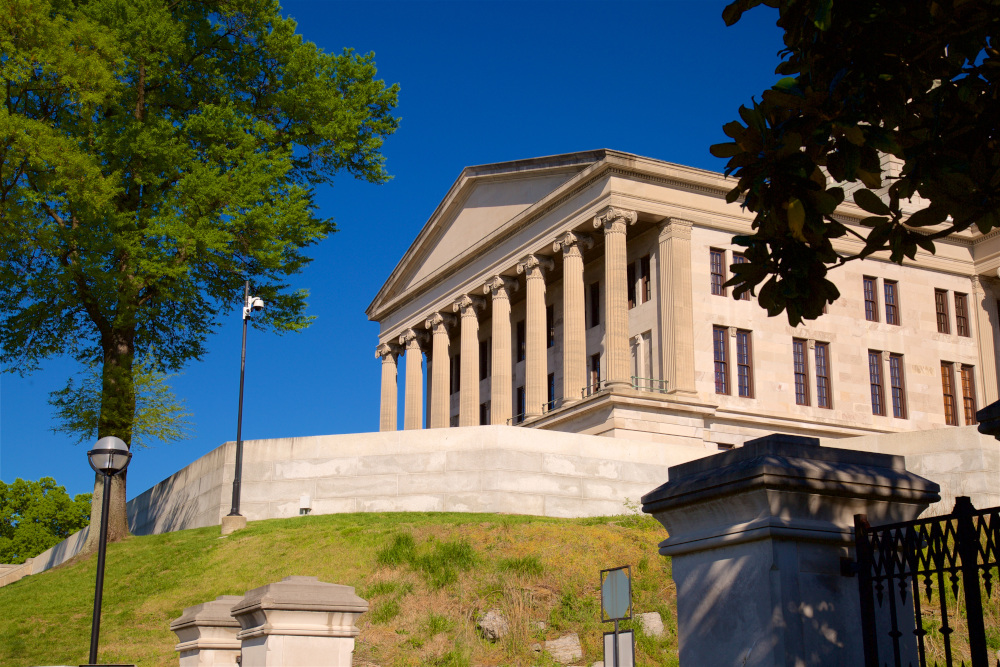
point(116, 418)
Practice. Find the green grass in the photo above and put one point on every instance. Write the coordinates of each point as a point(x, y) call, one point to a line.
point(426, 577)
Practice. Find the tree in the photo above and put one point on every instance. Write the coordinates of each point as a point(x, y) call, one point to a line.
point(915, 80)
point(35, 516)
point(159, 414)
point(154, 155)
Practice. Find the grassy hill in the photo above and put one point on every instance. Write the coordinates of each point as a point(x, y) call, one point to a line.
point(426, 577)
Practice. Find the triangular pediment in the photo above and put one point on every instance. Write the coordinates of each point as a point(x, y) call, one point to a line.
point(483, 201)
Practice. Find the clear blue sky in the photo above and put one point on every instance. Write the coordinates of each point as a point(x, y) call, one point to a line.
point(481, 82)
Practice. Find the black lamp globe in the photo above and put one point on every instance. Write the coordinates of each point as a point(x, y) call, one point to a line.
point(110, 456)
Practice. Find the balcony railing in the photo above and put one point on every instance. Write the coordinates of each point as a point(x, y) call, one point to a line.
point(649, 384)
point(592, 389)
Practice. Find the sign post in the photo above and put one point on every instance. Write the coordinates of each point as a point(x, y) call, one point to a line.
point(616, 605)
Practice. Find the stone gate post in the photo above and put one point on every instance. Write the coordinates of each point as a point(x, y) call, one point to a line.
point(756, 535)
point(206, 633)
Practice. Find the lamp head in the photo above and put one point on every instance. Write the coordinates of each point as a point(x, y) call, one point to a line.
point(110, 456)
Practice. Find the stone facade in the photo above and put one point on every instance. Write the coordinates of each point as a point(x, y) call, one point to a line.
point(604, 315)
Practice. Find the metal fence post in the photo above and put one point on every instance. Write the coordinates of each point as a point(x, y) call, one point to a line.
point(968, 550)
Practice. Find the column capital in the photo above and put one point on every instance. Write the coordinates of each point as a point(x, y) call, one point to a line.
point(977, 286)
point(439, 322)
point(412, 339)
point(572, 242)
point(468, 305)
point(386, 349)
point(500, 286)
point(614, 219)
point(533, 266)
point(675, 228)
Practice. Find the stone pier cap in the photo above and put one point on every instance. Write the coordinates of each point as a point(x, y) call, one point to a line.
point(290, 606)
point(783, 486)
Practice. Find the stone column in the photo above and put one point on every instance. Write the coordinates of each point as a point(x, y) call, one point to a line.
point(535, 362)
point(676, 306)
point(501, 385)
point(388, 411)
point(298, 622)
point(985, 305)
point(468, 397)
point(614, 221)
point(440, 392)
point(413, 401)
point(206, 633)
point(756, 535)
point(574, 316)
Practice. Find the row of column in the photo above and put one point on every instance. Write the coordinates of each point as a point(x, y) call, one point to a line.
point(676, 329)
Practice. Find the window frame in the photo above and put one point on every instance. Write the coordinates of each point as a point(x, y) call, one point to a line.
point(520, 341)
point(870, 287)
point(744, 363)
point(941, 309)
point(876, 383)
point(595, 305)
point(962, 327)
point(740, 258)
point(720, 354)
point(800, 371)
point(824, 388)
point(645, 282)
point(630, 279)
point(968, 376)
point(890, 289)
point(897, 384)
point(717, 271)
point(550, 326)
point(948, 393)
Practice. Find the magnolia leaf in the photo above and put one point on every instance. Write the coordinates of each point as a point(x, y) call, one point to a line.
point(869, 201)
point(796, 219)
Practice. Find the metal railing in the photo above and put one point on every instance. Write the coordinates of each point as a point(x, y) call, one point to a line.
point(516, 419)
point(592, 388)
point(649, 384)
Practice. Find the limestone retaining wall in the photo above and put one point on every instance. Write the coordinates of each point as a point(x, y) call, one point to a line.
point(471, 469)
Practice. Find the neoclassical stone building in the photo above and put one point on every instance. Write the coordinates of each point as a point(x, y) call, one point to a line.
point(584, 293)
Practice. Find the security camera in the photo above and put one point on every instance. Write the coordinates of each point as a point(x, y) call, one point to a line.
point(256, 303)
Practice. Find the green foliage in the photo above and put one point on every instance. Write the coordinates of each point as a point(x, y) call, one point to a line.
point(153, 157)
point(401, 551)
point(385, 611)
point(159, 414)
point(440, 562)
point(914, 80)
point(35, 516)
point(525, 566)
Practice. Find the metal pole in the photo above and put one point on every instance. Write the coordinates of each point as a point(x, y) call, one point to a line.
point(95, 628)
point(615, 662)
point(235, 511)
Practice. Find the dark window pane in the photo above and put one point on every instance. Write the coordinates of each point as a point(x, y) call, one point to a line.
point(718, 272)
point(871, 300)
point(801, 372)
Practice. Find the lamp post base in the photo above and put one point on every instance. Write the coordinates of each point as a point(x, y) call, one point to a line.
point(233, 523)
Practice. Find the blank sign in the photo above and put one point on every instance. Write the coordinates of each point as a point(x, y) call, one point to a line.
point(616, 593)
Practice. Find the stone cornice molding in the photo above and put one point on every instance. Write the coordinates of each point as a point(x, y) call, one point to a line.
point(534, 266)
point(675, 228)
point(439, 322)
point(468, 305)
point(387, 349)
point(614, 220)
point(412, 339)
point(573, 242)
point(500, 287)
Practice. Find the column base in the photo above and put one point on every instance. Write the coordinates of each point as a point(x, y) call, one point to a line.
point(617, 384)
point(231, 524)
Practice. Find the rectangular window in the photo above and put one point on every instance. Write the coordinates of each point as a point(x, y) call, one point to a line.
point(519, 343)
point(875, 380)
point(484, 414)
point(823, 396)
point(630, 284)
point(456, 374)
point(550, 326)
point(595, 372)
point(484, 359)
point(720, 346)
point(799, 363)
point(871, 300)
point(552, 389)
point(744, 363)
point(948, 388)
point(645, 291)
point(941, 306)
point(898, 387)
point(891, 289)
point(739, 258)
point(717, 260)
point(969, 394)
point(519, 405)
point(961, 314)
point(595, 304)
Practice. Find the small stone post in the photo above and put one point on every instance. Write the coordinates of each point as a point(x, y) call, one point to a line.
point(298, 622)
point(206, 633)
point(756, 535)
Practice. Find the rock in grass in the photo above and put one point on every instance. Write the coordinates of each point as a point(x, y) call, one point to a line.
point(651, 624)
point(493, 625)
point(565, 649)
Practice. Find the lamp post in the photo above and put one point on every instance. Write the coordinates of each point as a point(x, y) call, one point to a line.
point(109, 457)
point(250, 304)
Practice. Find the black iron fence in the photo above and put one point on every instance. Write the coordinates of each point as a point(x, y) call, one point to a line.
point(922, 586)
